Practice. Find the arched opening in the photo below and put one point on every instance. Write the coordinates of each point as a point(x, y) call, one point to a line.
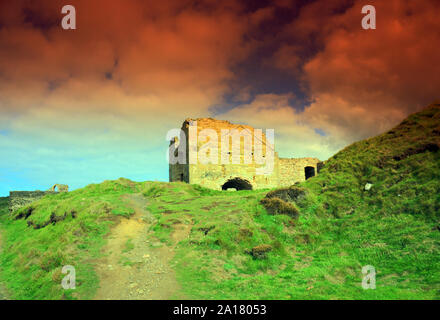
point(310, 172)
point(60, 188)
point(237, 184)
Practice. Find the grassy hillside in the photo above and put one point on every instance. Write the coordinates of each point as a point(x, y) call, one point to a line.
point(310, 243)
point(4, 202)
point(402, 164)
point(394, 226)
point(61, 229)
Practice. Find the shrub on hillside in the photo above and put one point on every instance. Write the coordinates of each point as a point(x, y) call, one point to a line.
point(277, 206)
point(260, 252)
point(290, 194)
point(154, 191)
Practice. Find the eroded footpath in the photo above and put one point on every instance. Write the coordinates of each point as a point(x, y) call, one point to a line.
point(135, 267)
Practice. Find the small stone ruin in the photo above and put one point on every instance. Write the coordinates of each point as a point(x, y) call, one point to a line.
point(19, 199)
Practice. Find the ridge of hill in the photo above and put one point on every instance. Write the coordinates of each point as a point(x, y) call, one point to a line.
point(402, 167)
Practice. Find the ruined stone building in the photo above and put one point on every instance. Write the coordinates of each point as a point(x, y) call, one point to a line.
point(18, 199)
point(197, 141)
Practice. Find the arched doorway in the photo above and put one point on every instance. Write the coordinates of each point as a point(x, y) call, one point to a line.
point(237, 184)
point(310, 172)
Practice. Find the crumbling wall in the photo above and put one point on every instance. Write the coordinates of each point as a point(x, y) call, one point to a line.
point(60, 188)
point(293, 170)
point(180, 172)
point(18, 199)
point(214, 175)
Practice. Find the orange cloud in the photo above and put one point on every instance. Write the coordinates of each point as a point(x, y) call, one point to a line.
point(174, 49)
point(363, 82)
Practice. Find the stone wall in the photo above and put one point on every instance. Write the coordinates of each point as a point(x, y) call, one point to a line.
point(293, 170)
point(18, 199)
point(180, 172)
point(214, 175)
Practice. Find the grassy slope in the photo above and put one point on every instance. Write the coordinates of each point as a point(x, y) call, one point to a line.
point(32, 258)
point(4, 203)
point(394, 226)
point(341, 228)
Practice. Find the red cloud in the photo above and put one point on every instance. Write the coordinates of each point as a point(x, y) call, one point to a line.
point(365, 81)
point(145, 47)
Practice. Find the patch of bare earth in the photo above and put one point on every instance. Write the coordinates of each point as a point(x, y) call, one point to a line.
point(136, 267)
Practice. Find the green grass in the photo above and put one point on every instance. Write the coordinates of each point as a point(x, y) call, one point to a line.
point(319, 238)
point(312, 258)
point(32, 259)
point(341, 227)
point(4, 203)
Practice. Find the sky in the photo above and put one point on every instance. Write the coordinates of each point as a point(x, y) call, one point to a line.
point(87, 105)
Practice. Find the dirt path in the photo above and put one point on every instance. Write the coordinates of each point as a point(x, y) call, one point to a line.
point(136, 267)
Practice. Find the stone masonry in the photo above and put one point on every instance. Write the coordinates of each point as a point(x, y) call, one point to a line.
point(220, 176)
point(18, 199)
